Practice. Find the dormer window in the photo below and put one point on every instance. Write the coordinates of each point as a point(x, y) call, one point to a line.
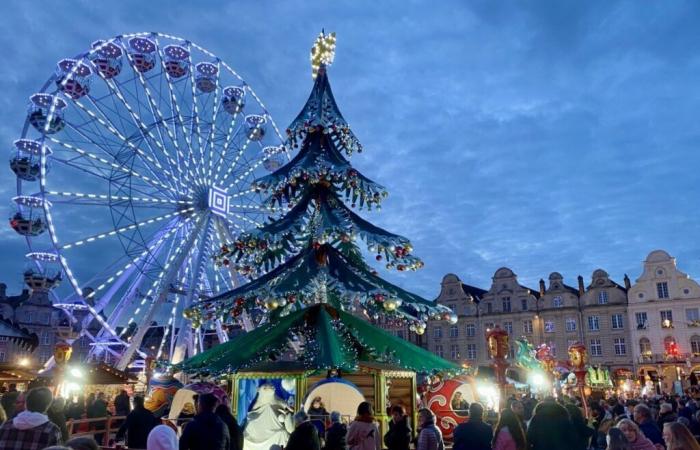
point(557, 302)
point(662, 289)
point(603, 297)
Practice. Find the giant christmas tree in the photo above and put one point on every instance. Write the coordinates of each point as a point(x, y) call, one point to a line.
point(310, 254)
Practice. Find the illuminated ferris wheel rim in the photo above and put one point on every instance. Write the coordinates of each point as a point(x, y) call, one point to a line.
point(198, 200)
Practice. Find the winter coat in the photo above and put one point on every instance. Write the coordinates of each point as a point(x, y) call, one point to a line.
point(122, 407)
point(550, 428)
point(363, 434)
point(234, 431)
point(504, 440)
point(335, 437)
point(642, 443)
point(304, 437)
point(651, 431)
point(29, 431)
point(162, 437)
point(136, 426)
point(205, 432)
point(399, 435)
point(473, 435)
point(58, 418)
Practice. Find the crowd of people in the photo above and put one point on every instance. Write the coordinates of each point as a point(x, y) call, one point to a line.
point(35, 420)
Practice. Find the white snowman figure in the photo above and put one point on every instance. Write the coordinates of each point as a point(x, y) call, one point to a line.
point(270, 422)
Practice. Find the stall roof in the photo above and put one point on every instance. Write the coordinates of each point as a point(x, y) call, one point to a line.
point(98, 373)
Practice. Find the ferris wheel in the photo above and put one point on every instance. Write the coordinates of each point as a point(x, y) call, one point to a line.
point(134, 166)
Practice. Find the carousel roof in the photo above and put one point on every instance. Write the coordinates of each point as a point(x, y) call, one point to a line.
point(323, 338)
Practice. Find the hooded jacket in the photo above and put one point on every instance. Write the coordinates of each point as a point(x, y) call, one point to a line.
point(162, 437)
point(363, 434)
point(31, 430)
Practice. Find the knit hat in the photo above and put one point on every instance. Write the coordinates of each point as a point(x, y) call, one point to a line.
point(162, 437)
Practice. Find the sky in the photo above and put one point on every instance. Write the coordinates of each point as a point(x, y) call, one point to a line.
point(542, 136)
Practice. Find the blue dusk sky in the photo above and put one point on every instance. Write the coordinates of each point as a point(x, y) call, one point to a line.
point(543, 136)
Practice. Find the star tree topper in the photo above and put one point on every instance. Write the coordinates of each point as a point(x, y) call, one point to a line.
point(323, 52)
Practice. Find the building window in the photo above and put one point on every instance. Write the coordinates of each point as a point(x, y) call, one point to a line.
point(557, 302)
point(620, 347)
point(603, 297)
point(508, 326)
point(489, 308)
point(4, 338)
point(471, 351)
point(692, 314)
point(471, 330)
point(527, 326)
point(645, 346)
point(553, 348)
point(670, 346)
point(616, 321)
point(454, 331)
point(641, 318)
point(454, 352)
point(570, 324)
point(46, 318)
point(506, 304)
point(437, 332)
point(596, 348)
point(438, 351)
point(549, 326)
point(28, 316)
point(2, 356)
point(666, 318)
point(45, 338)
point(523, 304)
point(662, 289)
point(489, 326)
point(593, 323)
point(695, 345)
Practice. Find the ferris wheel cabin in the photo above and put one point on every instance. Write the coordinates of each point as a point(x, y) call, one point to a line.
point(107, 58)
point(73, 78)
point(41, 107)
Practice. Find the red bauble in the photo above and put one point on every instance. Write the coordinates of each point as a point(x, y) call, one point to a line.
point(378, 257)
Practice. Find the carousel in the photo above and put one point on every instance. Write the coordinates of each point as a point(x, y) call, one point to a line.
point(316, 355)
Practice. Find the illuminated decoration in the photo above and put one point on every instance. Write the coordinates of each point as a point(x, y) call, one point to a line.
point(525, 355)
point(497, 340)
point(578, 357)
point(310, 254)
point(169, 139)
point(62, 352)
point(322, 53)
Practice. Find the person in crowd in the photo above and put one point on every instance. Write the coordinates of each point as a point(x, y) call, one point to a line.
point(473, 434)
point(678, 437)
point(695, 424)
point(98, 409)
point(3, 415)
point(642, 416)
point(9, 399)
point(318, 415)
point(122, 404)
point(666, 414)
point(616, 440)
point(305, 434)
point(363, 433)
point(336, 434)
point(509, 433)
point(635, 436)
point(137, 425)
point(162, 437)
point(429, 436)
point(76, 408)
point(550, 427)
point(206, 431)
point(519, 409)
point(57, 415)
point(582, 432)
point(89, 400)
point(82, 443)
point(459, 405)
point(234, 431)
point(31, 429)
point(399, 435)
point(602, 422)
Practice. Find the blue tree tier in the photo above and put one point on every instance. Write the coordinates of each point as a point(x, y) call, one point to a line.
point(320, 216)
point(326, 136)
point(320, 274)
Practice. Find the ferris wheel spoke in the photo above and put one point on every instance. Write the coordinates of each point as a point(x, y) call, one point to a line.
point(150, 163)
point(106, 200)
point(170, 230)
point(209, 145)
point(232, 164)
point(155, 183)
point(245, 219)
point(194, 126)
point(248, 171)
point(116, 231)
point(159, 118)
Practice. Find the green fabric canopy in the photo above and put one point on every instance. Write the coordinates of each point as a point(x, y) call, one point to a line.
point(334, 340)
